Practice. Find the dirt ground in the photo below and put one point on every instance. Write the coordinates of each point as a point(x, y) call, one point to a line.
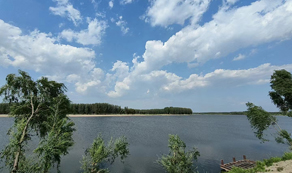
point(283, 167)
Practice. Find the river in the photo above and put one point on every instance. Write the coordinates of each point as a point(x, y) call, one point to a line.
point(215, 136)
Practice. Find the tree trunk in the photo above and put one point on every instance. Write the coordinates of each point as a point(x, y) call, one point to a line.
point(16, 160)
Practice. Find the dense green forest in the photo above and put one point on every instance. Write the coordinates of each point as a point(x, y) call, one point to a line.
point(4, 108)
point(105, 108)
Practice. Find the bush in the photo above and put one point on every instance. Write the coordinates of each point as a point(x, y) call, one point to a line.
point(260, 167)
point(178, 159)
point(287, 156)
point(269, 162)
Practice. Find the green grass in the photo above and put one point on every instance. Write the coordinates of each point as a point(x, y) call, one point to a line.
point(287, 156)
point(260, 165)
point(269, 162)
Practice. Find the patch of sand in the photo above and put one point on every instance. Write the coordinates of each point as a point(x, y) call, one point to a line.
point(283, 167)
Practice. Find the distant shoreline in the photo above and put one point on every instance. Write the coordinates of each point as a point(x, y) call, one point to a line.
point(123, 115)
point(115, 115)
point(140, 115)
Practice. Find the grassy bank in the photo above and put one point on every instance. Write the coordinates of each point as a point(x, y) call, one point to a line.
point(267, 165)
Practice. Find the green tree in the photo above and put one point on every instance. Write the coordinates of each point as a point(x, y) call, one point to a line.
point(100, 153)
point(178, 160)
point(281, 95)
point(259, 119)
point(38, 107)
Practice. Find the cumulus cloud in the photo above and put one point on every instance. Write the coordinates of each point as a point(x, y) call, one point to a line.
point(123, 25)
point(239, 57)
point(221, 77)
point(230, 30)
point(65, 9)
point(111, 4)
point(165, 12)
point(90, 36)
point(42, 53)
point(160, 81)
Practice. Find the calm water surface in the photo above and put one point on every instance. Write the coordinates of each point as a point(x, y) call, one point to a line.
point(216, 137)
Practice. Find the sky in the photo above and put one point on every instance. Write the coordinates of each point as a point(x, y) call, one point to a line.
point(207, 55)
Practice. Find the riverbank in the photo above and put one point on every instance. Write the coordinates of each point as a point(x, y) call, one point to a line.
point(115, 115)
point(274, 164)
point(282, 166)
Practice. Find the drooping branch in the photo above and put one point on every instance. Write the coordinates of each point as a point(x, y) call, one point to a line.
point(24, 132)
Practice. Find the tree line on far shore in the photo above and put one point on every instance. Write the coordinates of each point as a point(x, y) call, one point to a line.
point(232, 113)
point(4, 108)
point(106, 108)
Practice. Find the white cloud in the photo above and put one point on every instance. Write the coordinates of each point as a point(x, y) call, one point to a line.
point(124, 2)
point(111, 4)
point(97, 74)
point(123, 25)
point(100, 14)
point(230, 30)
point(231, 1)
point(42, 53)
point(121, 70)
point(165, 12)
point(90, 36)
point(83, 87)
point(66, 9)
point(72, 78)
point(160, 81)
point(61, 25)
point(239, 57)
point(120, 87)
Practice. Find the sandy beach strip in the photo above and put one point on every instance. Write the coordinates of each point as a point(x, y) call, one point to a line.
point(3, 115)
point(115, 115)
point(283, 167)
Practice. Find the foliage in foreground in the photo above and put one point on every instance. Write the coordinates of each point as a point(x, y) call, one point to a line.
point(261, 165)
point(281, 95)
point(259, 119)
point(39, 109)
point(99, 153)
point(178, 159)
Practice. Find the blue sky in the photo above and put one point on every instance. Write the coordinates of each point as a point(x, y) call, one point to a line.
point(208, 55)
